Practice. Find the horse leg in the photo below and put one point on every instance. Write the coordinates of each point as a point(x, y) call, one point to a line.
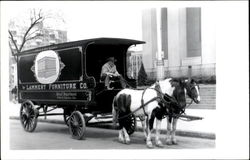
point(173, 139)
point(157, 138)
point(121, 137)
point(148, 140)
point(143, 123)
point(126, 136)
point(168, 140)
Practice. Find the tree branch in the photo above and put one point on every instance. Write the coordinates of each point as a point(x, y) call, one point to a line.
point(12, 52)
point(32, 33)
point(13, 41)
point(34, 37)
point(38, 20)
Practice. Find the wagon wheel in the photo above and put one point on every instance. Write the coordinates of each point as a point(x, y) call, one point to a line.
point(28, 116)
point(131, 124)
point(77, 125)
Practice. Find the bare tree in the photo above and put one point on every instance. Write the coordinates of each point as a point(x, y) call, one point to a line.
point(37, 17)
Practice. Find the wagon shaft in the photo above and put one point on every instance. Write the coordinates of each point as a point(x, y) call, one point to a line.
point(188, 118)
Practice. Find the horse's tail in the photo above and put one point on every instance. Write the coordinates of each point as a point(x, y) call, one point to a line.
point(114, 111)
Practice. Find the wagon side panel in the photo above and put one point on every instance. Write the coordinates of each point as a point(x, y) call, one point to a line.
point(54, 77)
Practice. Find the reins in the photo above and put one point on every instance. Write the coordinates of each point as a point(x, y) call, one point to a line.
point(161, 97)
point(142, 106)
point(153, 99)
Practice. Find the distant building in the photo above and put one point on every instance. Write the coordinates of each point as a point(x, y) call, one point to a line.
point(135, 61)
point(187, 42)
point(46, 36)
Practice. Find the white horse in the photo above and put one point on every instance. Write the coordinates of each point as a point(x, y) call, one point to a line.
point(147, 105)
point(192, 90)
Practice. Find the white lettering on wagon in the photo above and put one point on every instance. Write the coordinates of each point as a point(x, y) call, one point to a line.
point(83, 85)
point(36, 87)
point(61, 86)
point(66, 96)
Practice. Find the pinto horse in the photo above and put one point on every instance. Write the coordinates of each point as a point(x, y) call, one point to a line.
point(192, 90)
point(148, 105)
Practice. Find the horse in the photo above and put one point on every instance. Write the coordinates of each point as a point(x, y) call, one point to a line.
point(148, 105)
point(192, 90)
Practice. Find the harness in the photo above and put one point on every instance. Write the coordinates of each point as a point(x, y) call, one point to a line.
point(161, 98)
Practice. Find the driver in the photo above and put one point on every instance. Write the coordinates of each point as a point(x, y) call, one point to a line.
point(109, 72)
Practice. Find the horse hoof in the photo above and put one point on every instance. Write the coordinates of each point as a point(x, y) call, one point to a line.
point(168, 142)
point(159, 144)
point(174, 142)
point(121, 140)
point(150, 145)
point(127, 141)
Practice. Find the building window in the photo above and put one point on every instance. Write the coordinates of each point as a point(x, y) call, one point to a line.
point(193, 18)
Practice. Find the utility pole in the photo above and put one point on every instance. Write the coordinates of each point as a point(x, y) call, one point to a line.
point(159, 53)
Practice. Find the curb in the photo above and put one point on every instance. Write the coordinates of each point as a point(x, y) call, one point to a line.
point(106, 125)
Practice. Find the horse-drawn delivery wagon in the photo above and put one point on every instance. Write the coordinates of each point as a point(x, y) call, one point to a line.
point(67, 76)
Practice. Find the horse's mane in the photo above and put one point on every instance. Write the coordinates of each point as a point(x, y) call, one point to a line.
point(177, 81)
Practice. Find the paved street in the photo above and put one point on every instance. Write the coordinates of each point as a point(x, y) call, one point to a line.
point(56, 136)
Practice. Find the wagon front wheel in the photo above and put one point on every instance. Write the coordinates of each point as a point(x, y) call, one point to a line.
point(28, 116)
point(77, 125)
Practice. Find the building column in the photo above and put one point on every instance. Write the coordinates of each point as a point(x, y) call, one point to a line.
point(174, 42)
point(159, 52)
point(149, 32)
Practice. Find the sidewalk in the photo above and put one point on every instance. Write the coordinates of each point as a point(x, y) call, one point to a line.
point(199, 128)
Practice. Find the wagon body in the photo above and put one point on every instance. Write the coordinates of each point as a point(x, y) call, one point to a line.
point(68, 74)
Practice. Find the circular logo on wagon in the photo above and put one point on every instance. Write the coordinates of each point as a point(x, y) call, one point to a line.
point(47, 67)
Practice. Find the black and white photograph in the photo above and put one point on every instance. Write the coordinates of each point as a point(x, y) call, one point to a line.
point(124, 80)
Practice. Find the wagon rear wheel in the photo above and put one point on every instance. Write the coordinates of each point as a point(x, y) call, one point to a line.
point(28, 116)
point(131, 124)
point(77, 125)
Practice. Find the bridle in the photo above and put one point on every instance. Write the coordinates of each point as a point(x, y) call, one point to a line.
point(189, 88)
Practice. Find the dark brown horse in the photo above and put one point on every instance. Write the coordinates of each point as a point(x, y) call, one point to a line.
point(178, 107)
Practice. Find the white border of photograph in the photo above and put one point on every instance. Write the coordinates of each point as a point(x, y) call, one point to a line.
point(232, 97)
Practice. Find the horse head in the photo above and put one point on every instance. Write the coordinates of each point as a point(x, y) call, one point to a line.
point(179, 92)
point(192, 88)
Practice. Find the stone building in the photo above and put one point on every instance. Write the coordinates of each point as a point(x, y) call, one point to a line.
point(180, 42)
point(45, 36)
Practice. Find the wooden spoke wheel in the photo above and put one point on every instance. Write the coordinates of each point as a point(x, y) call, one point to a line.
point(77, 125)
point(28, 116)
point(131, 124)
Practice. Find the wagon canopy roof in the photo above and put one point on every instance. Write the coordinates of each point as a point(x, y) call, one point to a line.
point(99, 41)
